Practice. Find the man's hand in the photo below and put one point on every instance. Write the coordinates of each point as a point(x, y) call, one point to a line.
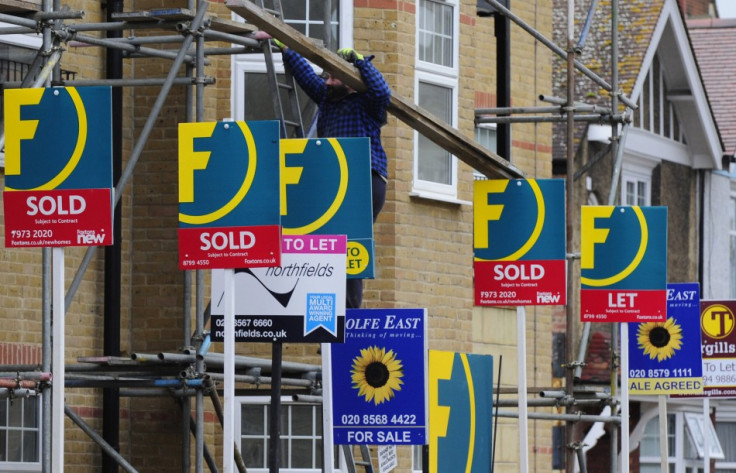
point(349, 54)
point(261, 35)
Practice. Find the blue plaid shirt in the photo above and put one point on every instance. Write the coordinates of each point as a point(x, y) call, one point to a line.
point(356, 115)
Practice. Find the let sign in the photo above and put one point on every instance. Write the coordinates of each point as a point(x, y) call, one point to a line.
point(623, 264)
point(58, 167)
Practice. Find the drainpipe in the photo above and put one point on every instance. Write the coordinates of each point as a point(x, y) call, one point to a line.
point(502, 27)
point(113, 254)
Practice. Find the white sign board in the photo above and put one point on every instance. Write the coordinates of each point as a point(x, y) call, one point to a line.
point(387, 460)
point(303, 300)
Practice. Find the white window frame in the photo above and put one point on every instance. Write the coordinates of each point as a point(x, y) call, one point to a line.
point(31, 41)
point(637, 171)
point(431, 189)
point(723, 415)
point(685, 417)
point(437, 68)
point(328, 445)
point(28, 466)
point(255, 63)
point(481, 128)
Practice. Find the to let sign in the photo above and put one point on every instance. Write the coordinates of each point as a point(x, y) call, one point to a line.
point(623, 264)
point(58, 167)
point(717, 321)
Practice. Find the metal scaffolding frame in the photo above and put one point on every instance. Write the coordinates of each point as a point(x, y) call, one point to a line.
point(190, 374)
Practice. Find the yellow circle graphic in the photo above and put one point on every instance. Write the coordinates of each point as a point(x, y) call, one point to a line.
point(358, 258)
point(529, 244)
point(717, 321)
point(244, 188)
point(55, 181)
point(634, 262)
point(342, 189)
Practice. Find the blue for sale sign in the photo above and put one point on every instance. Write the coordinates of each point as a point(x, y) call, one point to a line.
point(379, 378)
point(665, 357)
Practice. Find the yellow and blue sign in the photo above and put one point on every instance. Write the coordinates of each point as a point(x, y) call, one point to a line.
point(58, 167)
point(519, 242)
point(665, 357)
point(379, 378)
point(623, 264)
point(460, 416)
point(229, 207)
point(326, 189)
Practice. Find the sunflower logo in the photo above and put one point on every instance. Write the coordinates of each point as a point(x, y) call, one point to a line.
point(376, 374)
point(660, 339)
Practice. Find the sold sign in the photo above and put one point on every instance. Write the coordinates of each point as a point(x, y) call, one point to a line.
point(623, 262)
point(58, 167)
point(519, 242)
point(228, 195)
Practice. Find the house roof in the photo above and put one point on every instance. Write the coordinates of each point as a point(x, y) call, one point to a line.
point(646, 28)
point(714, 42)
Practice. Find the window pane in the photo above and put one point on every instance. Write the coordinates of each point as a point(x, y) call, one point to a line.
point(3, 450)
point(14, 445)
point(3, 412)
point(630, 193)
point(434, 163)
point(435, 34)
point(30, 413)
point(301, 420)
point(253, 452)
point(15, 417)
point(294, 9)
point(253, 422)
point(641, 190)
point(30, 446)
point(284, 453)
point(301, 453)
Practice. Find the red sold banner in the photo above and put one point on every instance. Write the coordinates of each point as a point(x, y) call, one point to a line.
point(56, 218)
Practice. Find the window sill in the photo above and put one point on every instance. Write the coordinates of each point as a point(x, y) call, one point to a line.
point(438, 197)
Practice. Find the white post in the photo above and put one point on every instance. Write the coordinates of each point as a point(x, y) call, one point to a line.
point(706, 435)
point(228, 427)
point(327, 423)
point(663, 439)
point(57, 365)
point(521, 374)
point(624, 398)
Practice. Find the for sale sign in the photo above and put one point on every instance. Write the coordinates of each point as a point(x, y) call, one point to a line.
point(623, 264)
point(664, 357)
point(379, 378)
point(519, 242)
point(58, 167)
point(229, 195)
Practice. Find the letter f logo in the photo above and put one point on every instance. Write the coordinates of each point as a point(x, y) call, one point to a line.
point(17, 129)
point(590, 235)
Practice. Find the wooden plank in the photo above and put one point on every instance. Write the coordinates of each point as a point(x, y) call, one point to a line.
point(229, 26)
point(467, 150)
